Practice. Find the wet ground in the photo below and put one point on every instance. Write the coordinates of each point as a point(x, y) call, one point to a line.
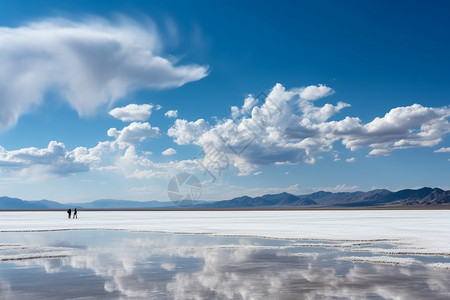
point(111, 264)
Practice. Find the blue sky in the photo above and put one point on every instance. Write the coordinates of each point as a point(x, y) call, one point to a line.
point(93, 93)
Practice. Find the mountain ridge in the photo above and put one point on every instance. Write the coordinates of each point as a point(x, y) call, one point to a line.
point(376, 198)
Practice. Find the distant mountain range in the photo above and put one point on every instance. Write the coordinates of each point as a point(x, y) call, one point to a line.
point(376, 198)
point(15, 203)
point(420, 197)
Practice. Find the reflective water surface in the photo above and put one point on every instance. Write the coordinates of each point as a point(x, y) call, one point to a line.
point(132, 265)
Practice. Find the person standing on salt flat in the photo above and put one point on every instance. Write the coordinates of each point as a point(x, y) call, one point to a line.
point(69, 212)
point(75, 214)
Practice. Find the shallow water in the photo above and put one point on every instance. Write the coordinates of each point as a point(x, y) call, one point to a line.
point(136, 265)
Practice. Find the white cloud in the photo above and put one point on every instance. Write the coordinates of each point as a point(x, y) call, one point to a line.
point(147, 174)
point(282, 129)
point(442, 150)
point(337, 189)
point(133, 134)
point(137, 166)
point(89, 63)
point(120, 155)
point(132, 112)
point(323, 113)
point(35, 164)
point(400, 119)
point(288, 128)
point(168, 266)
point(249, 102)
point(400, 128)
point(314, 92)
point(380, 152)
point(258, 173)
point(158, 107)
point(169, 151)
point(185, 132)
point(350, 160)
point(171, 113)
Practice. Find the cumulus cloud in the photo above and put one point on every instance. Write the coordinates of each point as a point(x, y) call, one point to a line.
point(171, 113)
point(400, 128)
point(281, 128)
point(89, 63)
point(169, 151)
point(121, 155)
point(350, 160)
point(35, 164)
point(135, 165)
point(134, 133)
point(314, 92)
point(288, 128)
point(185, 132)
point(132, 112)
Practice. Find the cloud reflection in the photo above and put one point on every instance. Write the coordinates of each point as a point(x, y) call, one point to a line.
point(191, 267)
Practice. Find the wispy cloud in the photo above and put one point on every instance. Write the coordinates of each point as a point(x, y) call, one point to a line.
point(89, 63)
point(442, 150)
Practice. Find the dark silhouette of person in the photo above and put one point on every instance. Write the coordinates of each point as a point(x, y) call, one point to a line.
point(75, 214)
point(69, 212)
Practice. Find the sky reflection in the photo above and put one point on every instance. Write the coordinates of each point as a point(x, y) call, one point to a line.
point(126, 265)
